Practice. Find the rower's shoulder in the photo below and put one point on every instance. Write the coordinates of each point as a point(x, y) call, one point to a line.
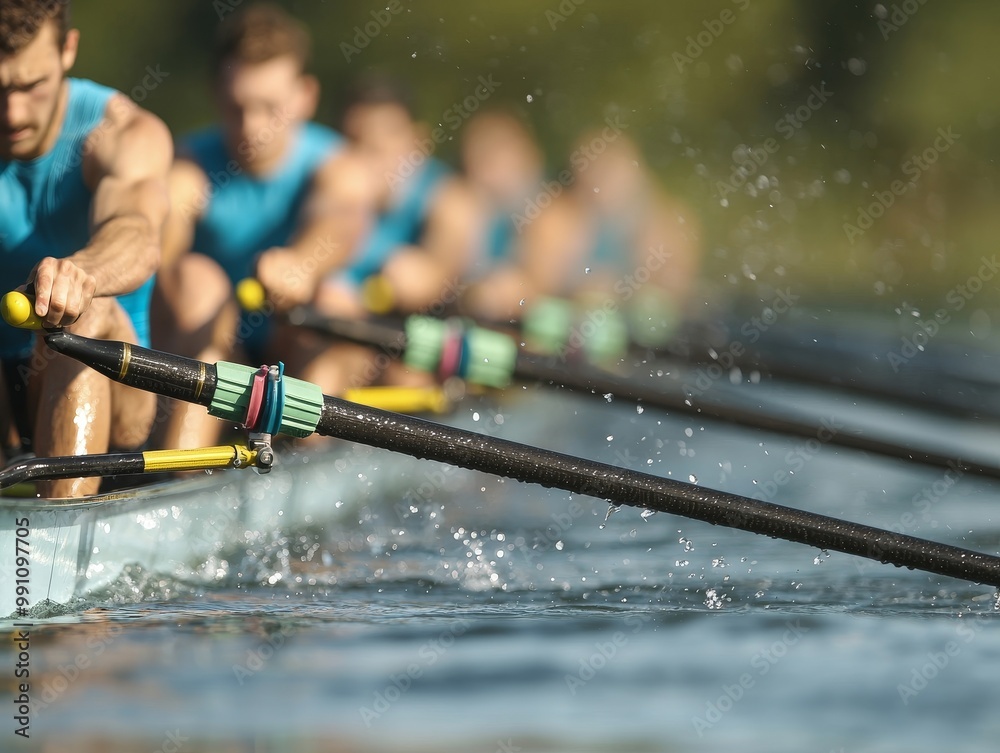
point(130, 139)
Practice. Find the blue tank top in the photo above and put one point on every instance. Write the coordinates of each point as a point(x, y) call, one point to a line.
point(45, 210)
point(247, 214)
point(402, 223)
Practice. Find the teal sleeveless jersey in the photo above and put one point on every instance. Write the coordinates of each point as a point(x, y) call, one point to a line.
point(247, 214)
point(45, 210)
point(400, 224)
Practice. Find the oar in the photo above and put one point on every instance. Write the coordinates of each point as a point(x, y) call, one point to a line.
point(495, 359)
point(225, 388)
point(128, 463)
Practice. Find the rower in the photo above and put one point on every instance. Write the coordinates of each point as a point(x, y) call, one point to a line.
point(505, 167)
point(614, 241)
point(264, 193)
point(421, 240)
point(83, 180)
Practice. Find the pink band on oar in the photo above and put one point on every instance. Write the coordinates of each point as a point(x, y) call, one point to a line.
point(256, 398)
point(451, 352)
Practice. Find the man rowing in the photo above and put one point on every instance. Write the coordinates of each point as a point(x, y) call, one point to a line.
point(265, 193)
point(422, 239)
point(607, 236)
point(505, 167)
point(82, 204)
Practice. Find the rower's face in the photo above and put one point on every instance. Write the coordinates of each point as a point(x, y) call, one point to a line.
point(384, 134)
point(501, 158)
point(261, 105)
point(30, 87)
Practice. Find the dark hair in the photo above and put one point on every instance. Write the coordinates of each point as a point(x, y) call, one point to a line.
point(379, 89)
point(21, 20)
point(258, 34)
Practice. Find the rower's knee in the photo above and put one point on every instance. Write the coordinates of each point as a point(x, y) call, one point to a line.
point(134, 412)
point(203, 291)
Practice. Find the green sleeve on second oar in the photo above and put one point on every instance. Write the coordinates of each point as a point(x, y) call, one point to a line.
point(492, 357)
point(303, 400)
point(547, 324)
point(424, 340)
point(489, 360)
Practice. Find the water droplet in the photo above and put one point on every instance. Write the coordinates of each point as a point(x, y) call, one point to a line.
point(692, 478)
point(639, 409)
point(647, 514)
point(611, 437)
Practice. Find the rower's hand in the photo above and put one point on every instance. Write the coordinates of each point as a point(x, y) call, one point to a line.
point(288, 278)
point(63, 291)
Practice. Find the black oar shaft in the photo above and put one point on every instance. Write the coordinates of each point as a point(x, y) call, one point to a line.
point(359, 331)
point(582, 377)
point(588, 379)
point(161, 373)
point(187, 379)
point(34, 469)
point(424, 439)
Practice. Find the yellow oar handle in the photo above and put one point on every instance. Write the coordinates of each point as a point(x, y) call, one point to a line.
point(251, 294)
point(203, 458)
point(18, 310)
point(401, 399)
point(376, 294)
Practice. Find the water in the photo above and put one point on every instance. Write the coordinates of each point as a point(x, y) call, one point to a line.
point(486, 615)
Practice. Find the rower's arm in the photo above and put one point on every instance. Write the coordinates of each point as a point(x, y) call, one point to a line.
point(420, 276)
point(126, 164)
point(336, 215)
point(188, 189)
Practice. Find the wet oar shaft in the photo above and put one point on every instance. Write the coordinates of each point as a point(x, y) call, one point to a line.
point(625, 487)
point(127, 463)
point(423, 439)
